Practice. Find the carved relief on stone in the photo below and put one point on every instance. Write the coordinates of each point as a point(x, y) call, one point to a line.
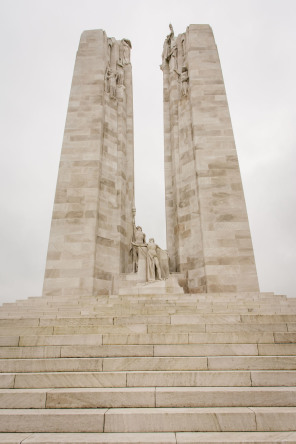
point(170, 50)
point(125, 49)
point(184, 78)
point(183, 46)
point(119, 73)
point(110, 44)
point(110, 82)
point(138, 241)
point(150, 262)
point(153, 266)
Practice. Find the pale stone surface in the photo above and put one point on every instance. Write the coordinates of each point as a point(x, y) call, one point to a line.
point(206, 318)
point(92, 217)
point(146, 339)
point(206, 385)
point(63, 379)
point(226, 396)
point(275, 419)
point(231, 338)
point(25, 330)
point(9, 341)
point(273, 378)
point(188, 378)
point(156, 363)
point(61, 340)
point(185, 328)
point(30, 352)
point(245, 327)
point(13, 438)
point(99, 329)
point(51, 420)
point(277, 349)
point(102, 438)
point(208, 233)
point(173, 419)
point(22, 399)
point(50, 365)
point(98, 398)
point(205, 350)
point(106, 350)
point(252, 362)
point(7, 381)
point(235, 437)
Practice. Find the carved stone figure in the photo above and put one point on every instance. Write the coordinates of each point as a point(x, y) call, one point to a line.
point(153, 266)
point(183, 46)
point(110, 83)
point(125, 51)
point(139, 240)
point(173, 62)
point(110, 44)
point(167, 45)
point(170, 50)
point(163, 258)
point(184, 81)
point(119, 72)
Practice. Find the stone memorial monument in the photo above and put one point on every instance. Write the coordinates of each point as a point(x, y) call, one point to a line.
point(114, 351)
point(208, 235)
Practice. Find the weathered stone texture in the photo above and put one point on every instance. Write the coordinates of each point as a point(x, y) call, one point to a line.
point(208, 234)
point(92, 217)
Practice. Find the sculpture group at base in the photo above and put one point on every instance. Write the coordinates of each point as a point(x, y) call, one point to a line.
point(150, 262)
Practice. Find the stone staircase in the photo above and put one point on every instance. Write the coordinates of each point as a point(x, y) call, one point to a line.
point(143, 367)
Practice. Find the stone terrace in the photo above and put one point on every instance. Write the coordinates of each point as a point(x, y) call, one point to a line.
point(149, 368)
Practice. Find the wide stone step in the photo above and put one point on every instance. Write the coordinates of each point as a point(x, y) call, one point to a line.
point(210, 318)
point(219, 328)
point(52, 351)
point(201, 363)
point(156, 378)
point(75, 351)
point(88, 438)
point(234, 437)
point(235, 318)
point(117, 420)
point(147, 350)
point(86, 398)
point(76, 330)
point(82, 329)
point(63, 379)
point(150, 438)
point(51, 365)
point(214, 363)
point(151, 338)
point(52, 420)
point(137, 379)
point(201, 419)
point(146, 308)
point(211, 378)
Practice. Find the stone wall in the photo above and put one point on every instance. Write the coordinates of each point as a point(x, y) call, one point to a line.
point(208, 235)
point(91, 224)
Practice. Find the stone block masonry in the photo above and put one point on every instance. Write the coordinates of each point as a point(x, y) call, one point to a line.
point(208, 235)
point(91, 224)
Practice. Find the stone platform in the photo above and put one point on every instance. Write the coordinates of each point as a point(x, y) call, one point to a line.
point(149, 368)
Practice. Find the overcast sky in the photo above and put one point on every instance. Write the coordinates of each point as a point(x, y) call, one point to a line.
point(256, 41)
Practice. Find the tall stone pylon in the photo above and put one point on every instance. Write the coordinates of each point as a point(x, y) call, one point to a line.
point(91, 225)
point(208, 234)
